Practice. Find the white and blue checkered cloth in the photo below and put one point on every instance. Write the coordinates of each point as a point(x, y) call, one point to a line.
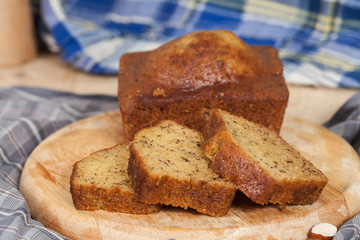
point(318, 40)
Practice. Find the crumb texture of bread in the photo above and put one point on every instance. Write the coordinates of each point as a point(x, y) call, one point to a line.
point(100, 182)
point(167, 165)
point(259, 162)
point(184, 79)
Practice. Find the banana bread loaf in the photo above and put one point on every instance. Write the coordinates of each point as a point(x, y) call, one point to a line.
point(185, 78)
point(259, 162)
point(167, 165)
point(100, 182)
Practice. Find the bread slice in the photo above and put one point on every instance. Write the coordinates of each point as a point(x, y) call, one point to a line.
point(100, 182)
point(167, 165)
point(259, 162)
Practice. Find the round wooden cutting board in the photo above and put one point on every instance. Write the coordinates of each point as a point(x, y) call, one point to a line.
point(45, 186)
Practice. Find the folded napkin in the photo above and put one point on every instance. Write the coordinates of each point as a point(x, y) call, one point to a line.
point(318, 40)
point(29, 115)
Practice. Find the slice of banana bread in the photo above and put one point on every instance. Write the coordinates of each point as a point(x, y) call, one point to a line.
point(259, 162)
point(167, 165)
point(100, 182)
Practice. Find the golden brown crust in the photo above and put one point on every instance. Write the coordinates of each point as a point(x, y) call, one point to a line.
point(90, 197)
point(203, 58)
point(234, 165)
point(206, 197)
point(237, 166)
point(184, 79)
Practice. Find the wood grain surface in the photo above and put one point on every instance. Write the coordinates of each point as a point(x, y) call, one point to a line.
point(45, 186)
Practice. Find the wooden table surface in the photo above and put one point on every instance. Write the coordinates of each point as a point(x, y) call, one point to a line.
point(49, 71)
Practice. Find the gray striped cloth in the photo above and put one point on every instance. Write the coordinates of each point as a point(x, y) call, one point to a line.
point(29, 115)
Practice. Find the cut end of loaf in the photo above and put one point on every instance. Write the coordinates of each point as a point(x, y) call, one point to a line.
point(106, 168)
point(173, 149)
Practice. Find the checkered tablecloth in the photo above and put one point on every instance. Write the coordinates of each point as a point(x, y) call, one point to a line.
point(318, 40)
point(29, 115)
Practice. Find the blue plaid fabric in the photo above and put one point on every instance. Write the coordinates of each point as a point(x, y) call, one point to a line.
point(27, 117)
point(318, 40)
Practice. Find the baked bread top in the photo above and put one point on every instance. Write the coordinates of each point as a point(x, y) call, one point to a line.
point(200, 60)
point(205, 58)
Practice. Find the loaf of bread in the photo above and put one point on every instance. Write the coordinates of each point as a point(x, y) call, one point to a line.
point(187, 77)
point(167, 165)
point(100, 182)
point(259, 162)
